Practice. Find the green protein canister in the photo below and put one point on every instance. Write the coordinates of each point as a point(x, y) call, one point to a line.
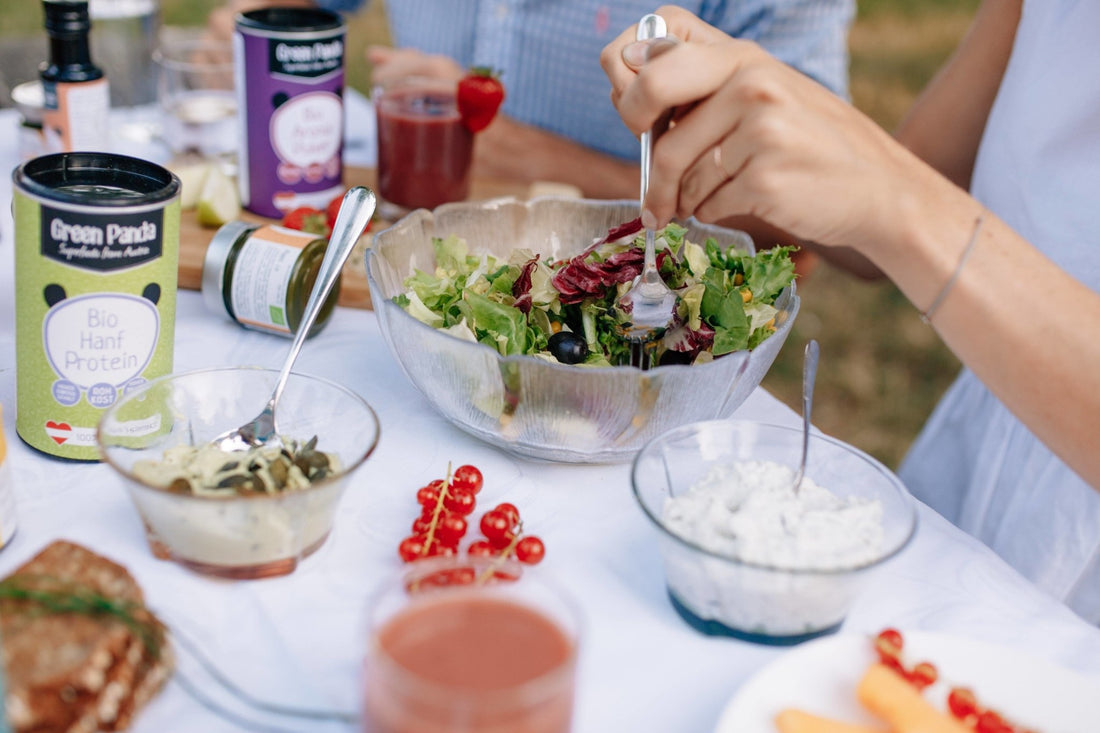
point(96, 256)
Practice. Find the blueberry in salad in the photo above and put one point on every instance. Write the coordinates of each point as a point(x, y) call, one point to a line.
point(567, 310)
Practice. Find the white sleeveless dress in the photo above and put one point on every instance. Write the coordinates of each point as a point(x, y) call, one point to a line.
point(1038, 169)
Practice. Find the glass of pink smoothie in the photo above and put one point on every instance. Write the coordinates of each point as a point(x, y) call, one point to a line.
point(468, 645)
point(424, 150)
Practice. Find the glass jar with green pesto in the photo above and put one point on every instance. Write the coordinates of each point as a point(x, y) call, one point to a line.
point(262, 275)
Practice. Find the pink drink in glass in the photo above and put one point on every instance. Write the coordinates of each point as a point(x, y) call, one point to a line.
point(424, 150)
point(470, 658)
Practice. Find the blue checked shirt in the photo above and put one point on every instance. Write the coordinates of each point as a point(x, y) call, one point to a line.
point(548, 50)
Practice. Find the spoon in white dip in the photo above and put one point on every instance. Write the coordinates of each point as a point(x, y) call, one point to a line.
point(809, 374)
point(355, 211)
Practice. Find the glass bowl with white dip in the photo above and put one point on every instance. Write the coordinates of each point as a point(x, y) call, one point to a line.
point(236, 515)
point(745, 554)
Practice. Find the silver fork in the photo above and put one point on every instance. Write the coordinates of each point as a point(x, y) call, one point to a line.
point(648, 301)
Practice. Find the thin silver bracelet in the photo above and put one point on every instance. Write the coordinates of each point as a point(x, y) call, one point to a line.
point(926, 316)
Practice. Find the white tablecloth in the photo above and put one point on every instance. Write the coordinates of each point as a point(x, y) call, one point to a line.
point(300, 639)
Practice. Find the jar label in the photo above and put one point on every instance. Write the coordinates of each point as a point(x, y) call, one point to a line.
point(75, 116)
point(261, 277)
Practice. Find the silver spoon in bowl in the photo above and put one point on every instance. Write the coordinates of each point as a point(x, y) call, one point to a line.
point(809, 375)
point(355, 211)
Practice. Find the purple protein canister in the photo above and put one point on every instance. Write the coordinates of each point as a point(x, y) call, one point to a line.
point(290, 87)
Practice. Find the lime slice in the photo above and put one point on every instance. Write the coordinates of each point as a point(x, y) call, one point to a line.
point(218, 201)
point(192, 176)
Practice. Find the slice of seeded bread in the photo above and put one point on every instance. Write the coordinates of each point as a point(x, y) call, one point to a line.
point(78, 670)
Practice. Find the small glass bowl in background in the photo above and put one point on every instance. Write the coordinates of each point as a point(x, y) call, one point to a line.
point(239, 536)
point(720, 594)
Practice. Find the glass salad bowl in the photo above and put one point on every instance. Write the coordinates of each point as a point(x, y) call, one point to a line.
point(252, 530)
point(541, 408)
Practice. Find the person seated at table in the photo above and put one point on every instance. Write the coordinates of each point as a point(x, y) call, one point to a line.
point(557, 123)
point(1009, 274)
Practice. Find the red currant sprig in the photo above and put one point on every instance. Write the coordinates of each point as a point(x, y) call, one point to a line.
point(888, 645)
point(445, 504)
point(961, 701)
point(503, 532)
point(964, 705)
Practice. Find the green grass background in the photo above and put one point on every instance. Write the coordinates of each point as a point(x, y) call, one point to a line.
point(881, 368)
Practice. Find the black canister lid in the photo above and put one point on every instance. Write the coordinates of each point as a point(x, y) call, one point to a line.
point(73, 178)
point(292, 19)
point(66, 17)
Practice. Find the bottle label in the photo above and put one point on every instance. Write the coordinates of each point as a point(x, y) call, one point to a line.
point(75, 116)
point(261, 277)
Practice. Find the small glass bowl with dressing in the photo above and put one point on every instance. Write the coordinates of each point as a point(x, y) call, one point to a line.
point(744, 554)
point(253, 530)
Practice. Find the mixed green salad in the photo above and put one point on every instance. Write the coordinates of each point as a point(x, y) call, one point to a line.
point(569, 311)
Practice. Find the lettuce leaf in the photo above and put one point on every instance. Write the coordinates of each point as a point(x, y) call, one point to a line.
point(498, 325)
point(723, 308)
point(768, 272)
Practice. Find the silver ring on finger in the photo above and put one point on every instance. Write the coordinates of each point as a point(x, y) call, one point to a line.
point(716, 154)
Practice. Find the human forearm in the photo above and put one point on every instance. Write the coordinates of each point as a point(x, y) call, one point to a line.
point(945, 125)
point(513, 151)
point(1019, 322)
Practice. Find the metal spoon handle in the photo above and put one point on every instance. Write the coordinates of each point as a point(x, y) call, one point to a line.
point(809, 375)
point(355, 211)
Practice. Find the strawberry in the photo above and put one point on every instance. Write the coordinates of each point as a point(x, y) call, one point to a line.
point(480, 95)
point(306, 219)
point(333, 209)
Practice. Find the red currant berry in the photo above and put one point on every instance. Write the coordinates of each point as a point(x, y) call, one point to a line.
point(530, 550)
point(962, 703)
point(495, 524)
point(438, 549)
point(421, 526)
point(481, 548)
point(467, 478)
point(451, 529)
point(990, 722)
point(895, 664)
point(511, 511)
point(923, 675)
point(459, 501)
point(888, 644)
point(428, 496)
point(411, 548)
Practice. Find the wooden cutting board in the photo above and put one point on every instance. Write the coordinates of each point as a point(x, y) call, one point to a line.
point(354, 291)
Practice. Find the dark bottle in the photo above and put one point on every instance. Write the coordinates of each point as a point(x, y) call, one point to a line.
point(77, 98)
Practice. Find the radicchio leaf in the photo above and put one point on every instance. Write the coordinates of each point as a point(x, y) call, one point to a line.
point(626, 229)
point(521, 288)
point(578, 279)
point(683, 339)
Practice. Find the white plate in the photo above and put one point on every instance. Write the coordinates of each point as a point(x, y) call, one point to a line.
point(821, 676)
